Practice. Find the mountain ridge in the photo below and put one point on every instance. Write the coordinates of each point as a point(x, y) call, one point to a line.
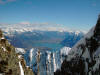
point(82, 58)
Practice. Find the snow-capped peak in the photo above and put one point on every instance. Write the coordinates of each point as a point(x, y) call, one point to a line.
point(11, 28)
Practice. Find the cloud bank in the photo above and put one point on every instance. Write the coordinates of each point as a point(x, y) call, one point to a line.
point(27, 26)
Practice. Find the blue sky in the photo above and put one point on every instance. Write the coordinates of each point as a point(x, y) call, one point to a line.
point(74, 14)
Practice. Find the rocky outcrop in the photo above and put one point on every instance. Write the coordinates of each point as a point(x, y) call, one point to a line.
point(11, 63)
point(43, 62)
point(84, 58)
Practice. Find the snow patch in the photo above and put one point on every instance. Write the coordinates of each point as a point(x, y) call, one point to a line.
point(54, 62)
point(31, 54)
point(21, 69)
point(65, 50)
point(20, 50)
point(3, 49)
point(48, 55)
point(2, 38)
point(19, 56)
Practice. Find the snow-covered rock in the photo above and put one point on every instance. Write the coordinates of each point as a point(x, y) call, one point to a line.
point(20, 50)
point(47, 60)
point(65, 50)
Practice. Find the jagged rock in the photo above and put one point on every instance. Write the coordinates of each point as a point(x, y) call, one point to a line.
point(9, 61)
point(84, 58)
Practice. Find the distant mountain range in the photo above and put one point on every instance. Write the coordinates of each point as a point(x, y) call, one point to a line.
point(35, 27)
point(29, 36)
point(71, 39)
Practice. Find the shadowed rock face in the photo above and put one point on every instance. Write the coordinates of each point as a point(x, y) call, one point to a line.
point(85, 56)
point(9, 61)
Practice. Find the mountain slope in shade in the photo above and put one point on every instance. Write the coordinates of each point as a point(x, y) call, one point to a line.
point(11, 63)
point(84, 57)
point(72, 38)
